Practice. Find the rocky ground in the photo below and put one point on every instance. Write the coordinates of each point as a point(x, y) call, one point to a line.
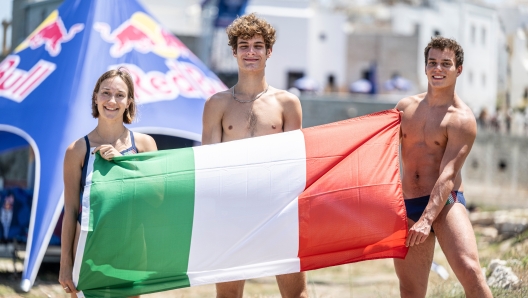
point(502, 238)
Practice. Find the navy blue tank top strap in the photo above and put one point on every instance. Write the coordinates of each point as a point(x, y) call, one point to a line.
point(132, 149)
point(132, 141)
point(85, 167)
point(84, 170)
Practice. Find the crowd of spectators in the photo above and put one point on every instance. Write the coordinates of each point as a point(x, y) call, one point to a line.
point(506, 121)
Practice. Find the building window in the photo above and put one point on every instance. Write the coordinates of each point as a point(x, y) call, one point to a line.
point(484, 80)
point(470, 77)
point(483, 36)
point(436, 33)
point(473, 33)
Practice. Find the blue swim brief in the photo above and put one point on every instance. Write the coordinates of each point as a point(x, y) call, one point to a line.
point(415, 207)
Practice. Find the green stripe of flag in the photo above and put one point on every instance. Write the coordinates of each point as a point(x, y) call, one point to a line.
point(151, 239)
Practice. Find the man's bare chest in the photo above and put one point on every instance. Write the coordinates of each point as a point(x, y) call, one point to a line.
point(428, 129)
point(252, 120)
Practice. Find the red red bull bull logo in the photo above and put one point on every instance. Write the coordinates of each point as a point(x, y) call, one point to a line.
point(141, 33)
point(16, 84)
point(182, 79)
point(52, 34)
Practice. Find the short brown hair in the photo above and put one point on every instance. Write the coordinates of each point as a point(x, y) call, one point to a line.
point(247, 27)
point(130, 112)
point(443, 43)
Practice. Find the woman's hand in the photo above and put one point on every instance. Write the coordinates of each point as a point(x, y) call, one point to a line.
point(107, 152)
point(65, 279)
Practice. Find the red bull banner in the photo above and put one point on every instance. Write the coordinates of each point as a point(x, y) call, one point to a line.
point(47, 82)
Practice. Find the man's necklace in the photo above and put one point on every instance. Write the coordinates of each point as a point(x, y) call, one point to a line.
point(115, 139)
point(251, 100)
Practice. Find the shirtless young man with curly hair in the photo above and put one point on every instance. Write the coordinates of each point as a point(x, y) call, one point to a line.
point(252, 108)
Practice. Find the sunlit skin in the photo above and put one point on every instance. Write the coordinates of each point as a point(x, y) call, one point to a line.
point(109, 138)
point(437, 132)
point(225, 119)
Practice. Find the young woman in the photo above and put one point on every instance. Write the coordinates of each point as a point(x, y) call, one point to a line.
point(113, 105)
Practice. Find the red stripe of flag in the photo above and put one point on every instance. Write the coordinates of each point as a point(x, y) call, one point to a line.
point(358, 160)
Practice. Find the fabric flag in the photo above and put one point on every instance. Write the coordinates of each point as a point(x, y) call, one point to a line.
point(277, 204)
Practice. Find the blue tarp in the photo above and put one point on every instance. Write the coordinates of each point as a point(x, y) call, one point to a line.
point(46, 86)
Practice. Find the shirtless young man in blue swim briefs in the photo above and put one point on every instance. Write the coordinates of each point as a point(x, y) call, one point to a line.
point(437, 132)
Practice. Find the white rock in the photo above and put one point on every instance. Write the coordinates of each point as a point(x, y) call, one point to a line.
point(494, 263)
point(482, 218)
point(506, 221)
point(502, 277)
point(511, 225)
point(489, 232)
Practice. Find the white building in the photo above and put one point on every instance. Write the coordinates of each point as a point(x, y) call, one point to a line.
point(515, 26)
point(518, 68)
point(182, 17)
point(311, 42)
point(475, 27)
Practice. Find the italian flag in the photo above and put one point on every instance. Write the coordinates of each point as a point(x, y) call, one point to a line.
point(263, 206)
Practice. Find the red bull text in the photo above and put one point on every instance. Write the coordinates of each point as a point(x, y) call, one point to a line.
point(182, 79)
point(16, 84)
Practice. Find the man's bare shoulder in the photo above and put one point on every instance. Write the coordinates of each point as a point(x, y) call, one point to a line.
point(219, 98)
point(285, 97)
point(461, 116)
point(410, 100)
point(216, 105)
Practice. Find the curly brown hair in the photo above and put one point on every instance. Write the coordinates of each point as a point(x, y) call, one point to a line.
point(122, 72)
point(443, 43)
point(247, 27)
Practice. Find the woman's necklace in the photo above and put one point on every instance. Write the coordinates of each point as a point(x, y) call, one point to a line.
point(111, 143)
point(251, 100)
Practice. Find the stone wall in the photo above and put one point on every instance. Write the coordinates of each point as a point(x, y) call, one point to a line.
point(324, 109)
point(496, 171)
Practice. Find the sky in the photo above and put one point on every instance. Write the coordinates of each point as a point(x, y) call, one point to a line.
point(5, 14)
